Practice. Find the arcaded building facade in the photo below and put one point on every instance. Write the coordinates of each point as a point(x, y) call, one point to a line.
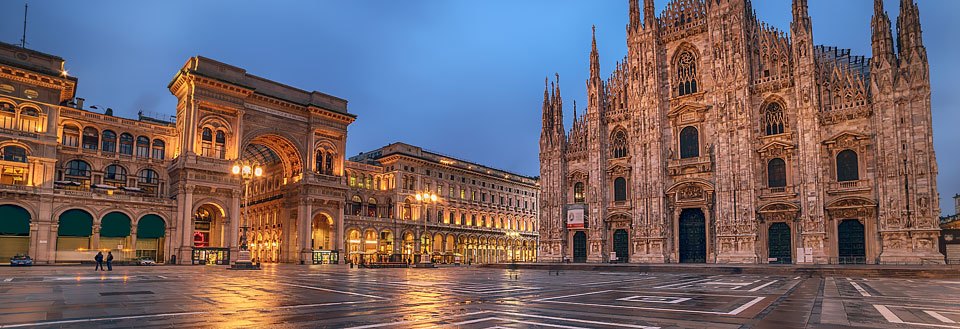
point(75, 179)
point(720, 139)
point(481, 215)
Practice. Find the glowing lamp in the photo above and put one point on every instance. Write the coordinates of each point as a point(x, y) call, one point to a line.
point(246, 170)
point(258, 172)
point(236, 169)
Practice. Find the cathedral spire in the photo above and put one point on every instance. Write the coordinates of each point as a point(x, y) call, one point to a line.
point(649, 14)
point(882, 37)
point(594, 57)
point(801, 17)
point(634, 15)
point(547, 111)
point(558, 110)
point(908, 27)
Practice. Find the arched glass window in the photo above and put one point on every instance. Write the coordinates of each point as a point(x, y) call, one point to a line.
point(126, 144)
point(372, 207)
point(115, 175)
point(620, 189)
point(356, 204)
point(30, 120)
point(77, 171)
point(773, 120)
point(148, 176)
point(220, 147)
point(143, 147)
point(91, 138)
point(8, 116)
point(689, 142)
point(619, 144)
point(109, 141)
point(159, 149)
point(847, 167)
point(206, 143)
point(71, 136)
point(578, 196)
point(776, 173)
point(14, 154)
point(686, 74)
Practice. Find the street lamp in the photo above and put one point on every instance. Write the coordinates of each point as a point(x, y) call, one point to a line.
point(247, 171)
point(425, 198)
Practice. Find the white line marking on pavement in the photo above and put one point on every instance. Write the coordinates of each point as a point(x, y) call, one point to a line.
point(745, 306)
point(617, 281)
point(734, 312)
point(7, 279)
point(377, 325)
point(887, 314)
point(576, 295)
point(863, 292)
point(330, 290)
point(682, 283)
point(796, 277)
point(763, 286)
point(161, 276)
point(162, 315)
point(578, 320)
point(939, 316)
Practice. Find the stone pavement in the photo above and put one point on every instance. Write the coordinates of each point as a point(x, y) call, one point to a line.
point(335, 296)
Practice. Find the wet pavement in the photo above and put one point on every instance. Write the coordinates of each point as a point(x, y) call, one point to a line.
point(336, 296)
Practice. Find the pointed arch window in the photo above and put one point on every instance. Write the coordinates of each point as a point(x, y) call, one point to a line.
point(126, 144)
point(143, 147)
point(206, 142)
point(619, 144)
point(847, 166)
point(159, 149)
point(773, 120)
point(578, 196)
point(776, 173)
point(685, 73)
point(91, 138)
point(620, 189)
point(689, 142)
point(220, 147)
point(109, 141)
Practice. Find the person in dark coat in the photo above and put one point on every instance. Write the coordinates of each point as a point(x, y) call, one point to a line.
point(109, 261)
point(99, 259)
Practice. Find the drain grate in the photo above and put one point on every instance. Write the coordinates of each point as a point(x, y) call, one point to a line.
point(123, 293)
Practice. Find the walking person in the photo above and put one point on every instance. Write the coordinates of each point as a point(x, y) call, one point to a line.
point(99, 259)
point(109, 261)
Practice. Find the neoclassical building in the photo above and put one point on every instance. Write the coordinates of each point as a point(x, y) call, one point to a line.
point(481, 215)
point(76, 179)
point(720, 139)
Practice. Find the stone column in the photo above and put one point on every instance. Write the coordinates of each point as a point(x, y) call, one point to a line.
point(185, 207)
point(133, 239)
point(234, 218)
point(95, 237)
point(304, 230)
point(339, 239)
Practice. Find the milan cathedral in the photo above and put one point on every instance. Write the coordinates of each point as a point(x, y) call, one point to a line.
point(720, 139)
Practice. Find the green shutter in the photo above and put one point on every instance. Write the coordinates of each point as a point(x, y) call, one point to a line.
point(14, 221)
point(75, 222)
point(151, 227)
point(115, 225)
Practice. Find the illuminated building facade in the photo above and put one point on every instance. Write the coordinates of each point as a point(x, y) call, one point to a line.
point(721, 139)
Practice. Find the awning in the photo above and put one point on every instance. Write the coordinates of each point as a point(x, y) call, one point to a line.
point(151, 227)
point(75, 222)
point(15, 221)
point(104, 186)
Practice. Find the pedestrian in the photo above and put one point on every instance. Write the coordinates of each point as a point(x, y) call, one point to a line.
point(109, 261)
point(99, 259)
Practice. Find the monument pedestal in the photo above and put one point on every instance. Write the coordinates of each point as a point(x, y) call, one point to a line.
point(243, 262)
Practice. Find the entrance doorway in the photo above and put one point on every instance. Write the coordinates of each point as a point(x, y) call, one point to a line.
point(621, 246)
point(778, 244)
point(850, 242)
point(692, 237)
point(580, 247)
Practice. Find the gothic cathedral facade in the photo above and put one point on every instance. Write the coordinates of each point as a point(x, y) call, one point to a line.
point(720, 139)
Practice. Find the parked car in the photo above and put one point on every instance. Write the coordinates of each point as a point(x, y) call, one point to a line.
point(146, 261)
point(21, 260)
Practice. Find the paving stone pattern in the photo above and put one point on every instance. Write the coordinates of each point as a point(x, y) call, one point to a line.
point(291, 296)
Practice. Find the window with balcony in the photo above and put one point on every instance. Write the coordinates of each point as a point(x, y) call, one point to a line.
point(372, 208)
point(220, 146)
point(8, 116)
point(30, 120)
point(71, 136)
point(115, 175)
point(159, 149)
point(126, 144)
point(91, 138)
point(356, 204)
point(148, 180)
point(143, 147)
point(847, 166)
point(689, 142)
point(77, 171)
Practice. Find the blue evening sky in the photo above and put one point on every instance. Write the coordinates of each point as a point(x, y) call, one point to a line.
point(457, 77)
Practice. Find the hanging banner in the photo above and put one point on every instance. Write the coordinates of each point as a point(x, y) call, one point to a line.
point(576, 216)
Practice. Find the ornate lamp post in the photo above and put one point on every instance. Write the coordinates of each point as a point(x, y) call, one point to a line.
point(247, 171)
point(425, 198)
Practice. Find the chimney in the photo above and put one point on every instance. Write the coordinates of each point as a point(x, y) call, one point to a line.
point(956, 203)
point(80, 103)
